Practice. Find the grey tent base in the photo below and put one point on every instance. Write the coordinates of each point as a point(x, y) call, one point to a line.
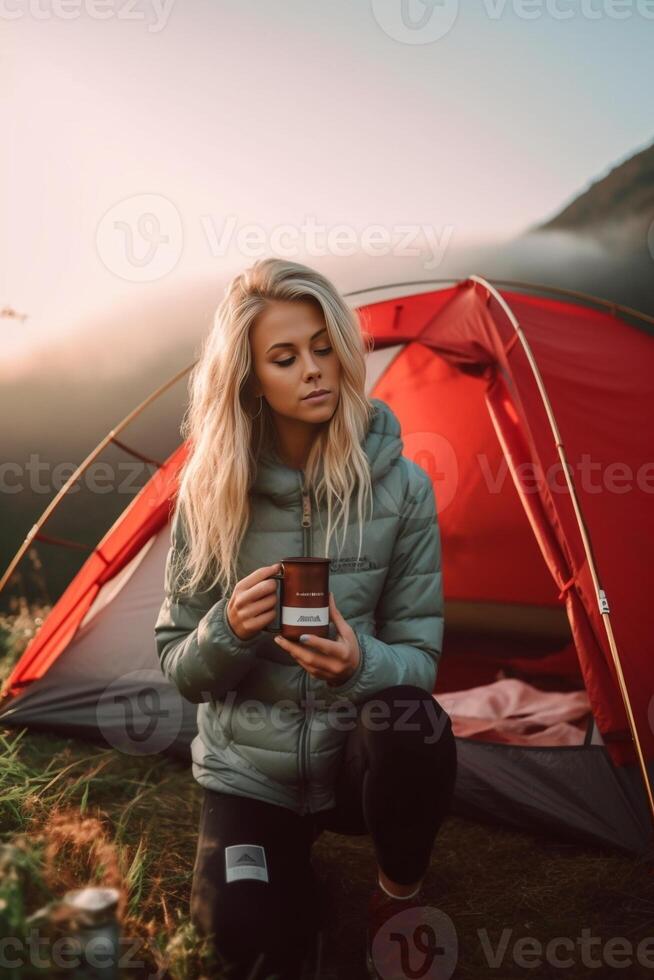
point(567, 793)
point(571, 793)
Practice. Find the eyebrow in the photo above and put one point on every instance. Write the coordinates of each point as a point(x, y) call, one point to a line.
point(289, 344)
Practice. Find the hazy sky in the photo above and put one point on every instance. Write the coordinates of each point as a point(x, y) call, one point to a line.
point(140, 128)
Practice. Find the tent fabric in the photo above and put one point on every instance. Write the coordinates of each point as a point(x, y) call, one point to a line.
point(569, 793)
point(145, 515)
point(451, 366)
point(597, 371)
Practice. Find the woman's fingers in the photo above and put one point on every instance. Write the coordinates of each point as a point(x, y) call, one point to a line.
point(324, 663)
point(252, 601)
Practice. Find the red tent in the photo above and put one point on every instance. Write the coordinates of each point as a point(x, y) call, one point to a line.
point(533, 416)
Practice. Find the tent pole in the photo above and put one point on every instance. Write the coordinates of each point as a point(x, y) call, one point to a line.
point(539, 287)
point(599, 592)
point(56, 500)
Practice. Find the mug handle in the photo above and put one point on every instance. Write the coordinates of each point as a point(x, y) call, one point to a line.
point(276, 626)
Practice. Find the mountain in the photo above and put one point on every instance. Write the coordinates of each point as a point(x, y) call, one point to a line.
point(617, 210)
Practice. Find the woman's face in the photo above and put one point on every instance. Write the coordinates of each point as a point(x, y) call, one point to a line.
point(292, 356)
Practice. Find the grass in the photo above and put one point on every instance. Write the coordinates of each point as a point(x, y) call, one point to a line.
point(72, 813)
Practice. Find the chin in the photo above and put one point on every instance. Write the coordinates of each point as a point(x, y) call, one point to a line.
point(321, 410)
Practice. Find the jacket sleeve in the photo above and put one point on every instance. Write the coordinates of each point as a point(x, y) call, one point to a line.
point(409, 613)
point(197, 649)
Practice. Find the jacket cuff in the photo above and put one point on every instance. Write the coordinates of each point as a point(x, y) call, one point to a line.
point(334, 691)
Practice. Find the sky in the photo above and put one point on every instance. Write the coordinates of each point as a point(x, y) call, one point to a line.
point(153, 143)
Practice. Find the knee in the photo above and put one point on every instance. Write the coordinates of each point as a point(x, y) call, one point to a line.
point(402, 692)
point(406, 713)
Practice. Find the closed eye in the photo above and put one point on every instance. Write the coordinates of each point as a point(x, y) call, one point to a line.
point(323, 352)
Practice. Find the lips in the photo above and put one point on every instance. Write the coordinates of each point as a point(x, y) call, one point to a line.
point(319, 391)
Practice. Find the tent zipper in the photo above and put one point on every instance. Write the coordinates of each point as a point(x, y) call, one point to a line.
point(307, 546)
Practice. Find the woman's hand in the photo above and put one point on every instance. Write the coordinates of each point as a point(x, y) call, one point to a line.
point(328, 660)
point(252, 603)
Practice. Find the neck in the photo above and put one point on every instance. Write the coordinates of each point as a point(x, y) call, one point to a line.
point(293, 441)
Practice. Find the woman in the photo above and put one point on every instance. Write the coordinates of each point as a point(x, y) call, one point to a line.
point(277, 765)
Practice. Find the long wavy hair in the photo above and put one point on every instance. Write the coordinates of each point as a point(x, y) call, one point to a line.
point(224, 440)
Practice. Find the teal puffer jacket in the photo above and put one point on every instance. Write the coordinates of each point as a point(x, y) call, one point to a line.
point(267, 728)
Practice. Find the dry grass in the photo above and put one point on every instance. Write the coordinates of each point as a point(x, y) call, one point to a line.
point(77, 814)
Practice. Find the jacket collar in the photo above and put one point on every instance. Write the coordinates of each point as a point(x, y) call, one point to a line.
point(382, 445)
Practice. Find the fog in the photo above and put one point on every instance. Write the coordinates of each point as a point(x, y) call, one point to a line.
point(62, 400)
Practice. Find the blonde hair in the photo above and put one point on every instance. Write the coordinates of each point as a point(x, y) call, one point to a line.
point(224, 441)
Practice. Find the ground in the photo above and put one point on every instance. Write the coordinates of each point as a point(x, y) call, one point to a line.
point(75, 812)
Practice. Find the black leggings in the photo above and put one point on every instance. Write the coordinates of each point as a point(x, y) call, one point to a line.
point(395, 782)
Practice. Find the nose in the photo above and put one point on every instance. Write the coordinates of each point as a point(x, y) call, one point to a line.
point(311, 369)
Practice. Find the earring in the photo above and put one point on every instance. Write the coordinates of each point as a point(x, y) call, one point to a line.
point(257, 414)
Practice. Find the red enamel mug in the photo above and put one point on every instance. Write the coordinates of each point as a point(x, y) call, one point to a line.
point(302, 598)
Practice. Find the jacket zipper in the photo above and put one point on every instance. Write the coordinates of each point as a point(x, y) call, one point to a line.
point(306, 518)
point(307, 546)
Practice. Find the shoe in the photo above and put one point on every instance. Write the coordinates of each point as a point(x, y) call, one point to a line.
point(383, 953)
